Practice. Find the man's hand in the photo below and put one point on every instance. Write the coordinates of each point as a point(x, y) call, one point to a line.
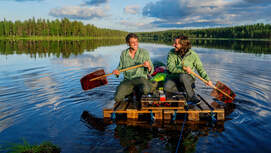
point(187, 69)
point(147, 64)
point(210, 83)
point(116, 72)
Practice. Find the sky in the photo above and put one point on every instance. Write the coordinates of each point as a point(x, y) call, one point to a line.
point(143, 15)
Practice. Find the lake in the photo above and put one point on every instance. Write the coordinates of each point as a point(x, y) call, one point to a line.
point(41, 98)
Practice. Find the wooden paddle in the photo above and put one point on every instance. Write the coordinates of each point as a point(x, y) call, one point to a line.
point(98, 78)
point(221, 92)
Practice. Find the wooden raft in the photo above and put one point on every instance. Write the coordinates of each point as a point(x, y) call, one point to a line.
point(165, 112)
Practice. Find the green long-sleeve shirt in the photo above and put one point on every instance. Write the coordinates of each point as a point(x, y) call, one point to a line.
point(126, 61)
point(191, 59)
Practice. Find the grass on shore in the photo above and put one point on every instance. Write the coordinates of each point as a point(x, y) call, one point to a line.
point(45, 147)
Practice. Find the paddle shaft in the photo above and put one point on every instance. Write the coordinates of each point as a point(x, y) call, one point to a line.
point(122, 70)
point(205, 81)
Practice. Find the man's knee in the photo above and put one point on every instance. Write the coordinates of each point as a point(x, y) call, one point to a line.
point(118, 99)
point(183, 77)
point(186, 78)
point(169, 84)
point(124, 89)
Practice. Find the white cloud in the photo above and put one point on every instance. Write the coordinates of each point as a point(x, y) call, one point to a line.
point(207, 12)
point(132, 9)
point(132, 23)
point(77, 12)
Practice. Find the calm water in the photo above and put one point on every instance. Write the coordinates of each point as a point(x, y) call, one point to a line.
point(41, 100)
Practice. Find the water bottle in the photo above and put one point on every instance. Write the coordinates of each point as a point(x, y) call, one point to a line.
point(162, 94)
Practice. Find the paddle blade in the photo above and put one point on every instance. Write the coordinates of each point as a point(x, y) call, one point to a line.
point(87, 84)
point(220, 96)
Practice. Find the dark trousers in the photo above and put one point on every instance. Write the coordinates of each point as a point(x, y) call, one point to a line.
point(181, 82)
point(126, 88)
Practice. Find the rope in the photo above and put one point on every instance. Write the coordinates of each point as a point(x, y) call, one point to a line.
point(152, 116)
point(180, 138)
point(213, 116)
point(113, 116)
point(174, 115)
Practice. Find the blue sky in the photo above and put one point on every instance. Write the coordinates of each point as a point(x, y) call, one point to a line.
point(143, 15)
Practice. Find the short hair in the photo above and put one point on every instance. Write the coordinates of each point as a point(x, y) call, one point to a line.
point(186, 45)
point(131, 35)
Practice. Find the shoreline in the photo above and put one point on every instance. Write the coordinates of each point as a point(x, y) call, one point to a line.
point(242, 39)
point(57, 38)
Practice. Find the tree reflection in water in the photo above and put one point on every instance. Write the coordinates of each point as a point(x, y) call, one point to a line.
point(43, 48)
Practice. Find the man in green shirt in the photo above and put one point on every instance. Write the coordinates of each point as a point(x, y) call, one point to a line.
point(135, 78)
point(181, 62)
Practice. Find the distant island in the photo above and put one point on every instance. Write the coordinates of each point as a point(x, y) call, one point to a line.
point(64, 29)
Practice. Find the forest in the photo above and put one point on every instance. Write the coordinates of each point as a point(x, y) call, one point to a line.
point(66, 28)
point(55, 28)
point(255, 31)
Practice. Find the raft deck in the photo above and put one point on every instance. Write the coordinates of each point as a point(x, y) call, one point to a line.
point(170, 108)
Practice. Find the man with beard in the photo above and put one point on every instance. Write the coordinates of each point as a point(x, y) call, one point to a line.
point(135, 79)
point(181, 62)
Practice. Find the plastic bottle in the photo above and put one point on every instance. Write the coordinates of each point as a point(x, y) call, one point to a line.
point(162, 94)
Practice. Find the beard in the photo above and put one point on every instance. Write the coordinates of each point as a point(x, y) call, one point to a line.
point(181, 51)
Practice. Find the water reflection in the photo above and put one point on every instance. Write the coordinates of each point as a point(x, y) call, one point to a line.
point(43, 49)
point(159, 136)
point(41, 100)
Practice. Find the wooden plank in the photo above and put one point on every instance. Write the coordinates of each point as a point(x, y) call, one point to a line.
point(132, 114)
point(158, 115)
point(205, 102)
point(201, 111)
point(107, 114)
point(125, 111)
point(193, 116)
point(203, 105)
point(167, 116)
point(166, 101)
point(161, 108)
point(154, 111)
point(220, 116)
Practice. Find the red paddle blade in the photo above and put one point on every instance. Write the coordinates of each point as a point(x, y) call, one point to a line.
point(86, 84)
point(220, 96)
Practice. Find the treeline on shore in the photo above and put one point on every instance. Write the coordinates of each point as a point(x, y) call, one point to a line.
point(55, 28)
point(255, 31)
point(62, 29)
